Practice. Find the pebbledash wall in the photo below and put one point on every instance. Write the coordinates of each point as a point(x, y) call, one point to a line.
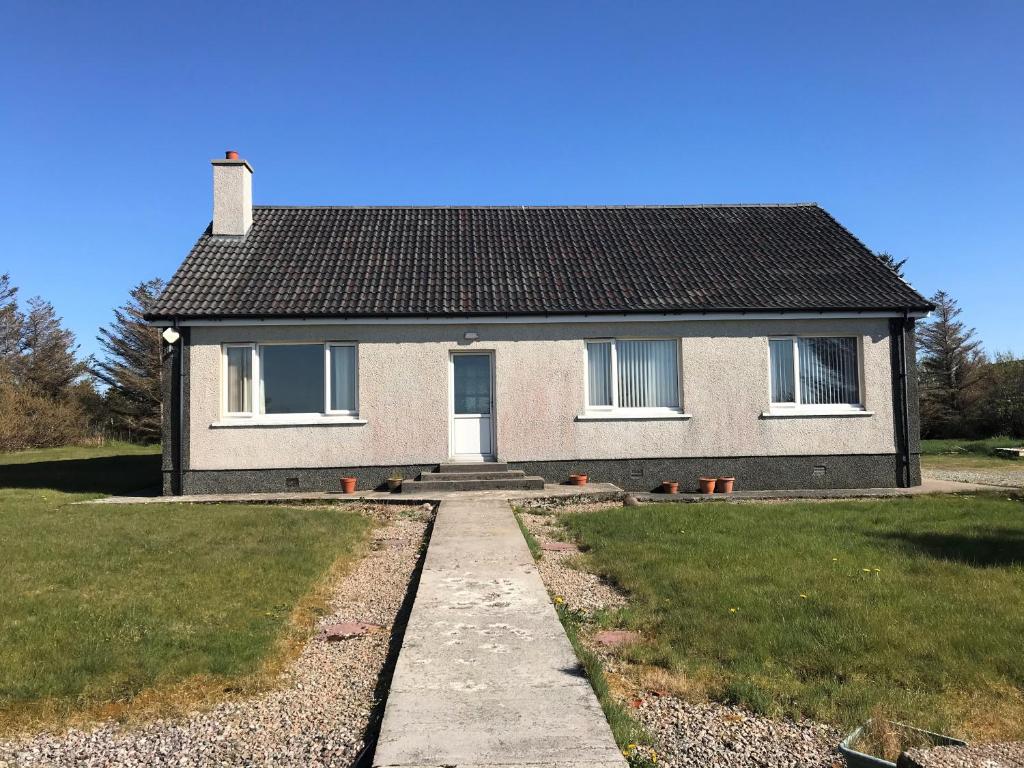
point(403, 392)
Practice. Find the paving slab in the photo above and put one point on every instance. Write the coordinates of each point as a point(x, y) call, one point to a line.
point(596, 491)
point(486, 675)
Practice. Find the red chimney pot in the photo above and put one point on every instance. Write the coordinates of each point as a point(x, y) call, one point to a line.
point(231, 154)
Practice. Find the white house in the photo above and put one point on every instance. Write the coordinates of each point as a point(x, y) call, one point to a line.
point(633, 343)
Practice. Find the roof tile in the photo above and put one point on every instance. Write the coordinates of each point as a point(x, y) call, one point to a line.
point(375, 262)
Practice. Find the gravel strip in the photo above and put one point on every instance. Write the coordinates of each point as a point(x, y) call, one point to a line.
point(579, 589)
point(1001, 755)
point(685, 733)
point(708, 734)
point(1007, 478)
point(319, 714)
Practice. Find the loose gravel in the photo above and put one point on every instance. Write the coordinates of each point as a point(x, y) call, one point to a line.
point(709, 734)
point(577, 588)
point(1006, 478)
point(319, 714)
point(684, 733)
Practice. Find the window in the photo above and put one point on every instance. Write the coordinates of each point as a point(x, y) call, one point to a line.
point(343, 378)
point(815, 372)
point(633, 374)
point(292, 377)
point(239, 379)
point(280, 380)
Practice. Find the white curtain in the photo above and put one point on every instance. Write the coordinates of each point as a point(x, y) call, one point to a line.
point(828, 371)
point(239, 379)
point(648, 374)
point(599, 373)
point(343, 378)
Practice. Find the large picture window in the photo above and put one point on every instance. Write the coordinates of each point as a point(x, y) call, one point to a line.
point(633, 374)
point(815, 372)
point(290, 379)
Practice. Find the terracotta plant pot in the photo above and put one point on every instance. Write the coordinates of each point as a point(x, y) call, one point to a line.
point(348, 485)
point(669, 486)
point(725, 484)
point(577, 479)
point(707, 485)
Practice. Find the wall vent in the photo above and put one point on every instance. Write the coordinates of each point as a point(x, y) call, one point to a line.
point(818, 472)
point(291, 482)
point(636, 472)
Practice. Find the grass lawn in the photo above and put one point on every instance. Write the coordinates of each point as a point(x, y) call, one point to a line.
point(116, 610)
point(909, 608)
point(969, 454)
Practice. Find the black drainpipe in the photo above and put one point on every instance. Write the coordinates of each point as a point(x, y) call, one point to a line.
point(905, 396)
point(181, 414)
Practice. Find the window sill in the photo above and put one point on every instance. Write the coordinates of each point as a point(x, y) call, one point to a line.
point(807, 413)
point(632, 416)
point(296, 421)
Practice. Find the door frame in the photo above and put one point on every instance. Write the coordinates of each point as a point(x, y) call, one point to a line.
point(492, 456)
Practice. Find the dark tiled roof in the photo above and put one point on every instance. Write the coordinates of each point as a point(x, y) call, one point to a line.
point(322, 262)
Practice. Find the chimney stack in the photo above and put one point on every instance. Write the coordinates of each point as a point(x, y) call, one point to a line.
point(232, 196)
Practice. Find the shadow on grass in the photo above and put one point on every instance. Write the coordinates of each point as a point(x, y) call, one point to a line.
point(994, 548)
point(106, 474)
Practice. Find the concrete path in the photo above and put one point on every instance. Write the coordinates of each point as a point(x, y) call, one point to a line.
point(486, 675)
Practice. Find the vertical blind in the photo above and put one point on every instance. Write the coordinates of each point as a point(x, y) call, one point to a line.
point(646, 374)
point(599, 373)
point(826, 373)
point(783, 386)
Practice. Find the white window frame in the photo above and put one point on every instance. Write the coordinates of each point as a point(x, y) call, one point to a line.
point(613, 411)
point(798, 408)
point(254, 416)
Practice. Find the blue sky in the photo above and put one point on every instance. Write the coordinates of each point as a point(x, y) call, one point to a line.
point(905, 120)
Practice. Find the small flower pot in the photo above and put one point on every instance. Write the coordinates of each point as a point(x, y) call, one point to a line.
point(707, 485)
point(724, 484)
point(394, 484)
point(669, 486)
point(577, 479)
point(348, 485)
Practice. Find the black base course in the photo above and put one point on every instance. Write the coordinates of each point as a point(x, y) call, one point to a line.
point(763, 473)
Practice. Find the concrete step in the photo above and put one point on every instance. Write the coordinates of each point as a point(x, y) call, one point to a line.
point(510, 484)
point(509, 474)
point(472, 466)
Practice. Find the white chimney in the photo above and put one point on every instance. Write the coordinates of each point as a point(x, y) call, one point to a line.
point(232, 195)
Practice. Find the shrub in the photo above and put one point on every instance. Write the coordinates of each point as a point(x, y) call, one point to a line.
point(32, 420)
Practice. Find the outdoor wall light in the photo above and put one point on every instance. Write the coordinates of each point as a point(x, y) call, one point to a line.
point(170, 335)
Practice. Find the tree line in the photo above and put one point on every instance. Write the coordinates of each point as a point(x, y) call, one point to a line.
point(50, 397)
point(965, 393)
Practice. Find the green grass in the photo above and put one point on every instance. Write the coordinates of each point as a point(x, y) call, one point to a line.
point(108, 609)
point(969, 454)
point(934, 636)
point(531, 541)
point(960, 447)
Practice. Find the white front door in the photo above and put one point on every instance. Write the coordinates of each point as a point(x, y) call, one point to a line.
point(472, 411)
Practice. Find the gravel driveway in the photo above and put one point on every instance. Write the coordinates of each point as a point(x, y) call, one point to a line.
point(1007, 478)
point(686, 733)
point(319, 715)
